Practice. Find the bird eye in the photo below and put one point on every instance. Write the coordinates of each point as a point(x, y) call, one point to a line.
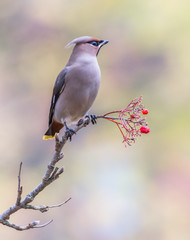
point(94, 43)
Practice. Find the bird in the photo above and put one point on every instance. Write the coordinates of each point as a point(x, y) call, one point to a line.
point(76, 86)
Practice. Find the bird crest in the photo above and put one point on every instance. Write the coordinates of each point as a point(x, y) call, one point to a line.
point(83, 39)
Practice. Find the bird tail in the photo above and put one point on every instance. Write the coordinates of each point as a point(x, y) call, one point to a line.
point(54, 128)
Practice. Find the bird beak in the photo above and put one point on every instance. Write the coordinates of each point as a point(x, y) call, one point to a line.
point(103, 42)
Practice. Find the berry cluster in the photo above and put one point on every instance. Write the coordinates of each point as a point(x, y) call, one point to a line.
point(130, 120)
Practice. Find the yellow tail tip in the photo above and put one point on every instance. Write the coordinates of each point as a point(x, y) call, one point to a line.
point(46, 137)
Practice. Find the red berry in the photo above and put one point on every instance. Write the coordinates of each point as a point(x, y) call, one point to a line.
point(132, 116)
point(145, 129)
point(145, 111)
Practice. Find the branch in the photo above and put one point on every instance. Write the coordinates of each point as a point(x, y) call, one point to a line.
point(45, 208)
point(19, 187)
point(130, 120)
point(130, 123)
point(52, 173)
point(34, 224)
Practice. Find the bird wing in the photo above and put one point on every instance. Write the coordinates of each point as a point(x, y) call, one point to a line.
point(57, 90)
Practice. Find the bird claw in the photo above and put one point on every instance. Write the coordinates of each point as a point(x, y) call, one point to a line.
point(69, 133)
point(91, 118)
point(80, 122)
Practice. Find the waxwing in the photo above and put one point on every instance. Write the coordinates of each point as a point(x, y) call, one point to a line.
point(76, 86)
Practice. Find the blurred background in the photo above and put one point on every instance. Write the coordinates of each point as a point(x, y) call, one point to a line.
point(138, 193)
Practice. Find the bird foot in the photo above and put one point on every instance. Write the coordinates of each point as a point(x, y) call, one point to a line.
point(91, 118)
point(80, 122)
point(69, 133)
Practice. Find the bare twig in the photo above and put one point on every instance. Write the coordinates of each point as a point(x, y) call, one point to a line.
point(19, 187)
point(34, 224)
point(42, 225)
point(45, 208)
point(52, 173)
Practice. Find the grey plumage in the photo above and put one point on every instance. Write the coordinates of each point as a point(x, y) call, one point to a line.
point(76, 86)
